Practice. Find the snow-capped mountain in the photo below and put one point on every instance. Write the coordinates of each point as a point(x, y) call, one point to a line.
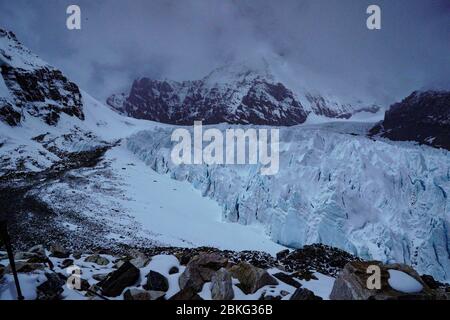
point(423, 117)
point(239, 93)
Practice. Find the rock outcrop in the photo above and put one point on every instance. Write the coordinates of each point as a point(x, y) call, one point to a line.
point(423, 117)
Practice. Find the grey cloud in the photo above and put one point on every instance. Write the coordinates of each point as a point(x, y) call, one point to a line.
point(324, 41)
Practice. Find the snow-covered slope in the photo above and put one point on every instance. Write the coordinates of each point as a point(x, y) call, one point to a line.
point(377, 199)
point(251, 92)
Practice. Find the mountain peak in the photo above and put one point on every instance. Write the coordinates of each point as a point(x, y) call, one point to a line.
point(14, 54)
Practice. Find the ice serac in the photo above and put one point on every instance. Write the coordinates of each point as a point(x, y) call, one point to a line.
point(251, 92)
point(31, 87)
point(423, 117)
point(377, 199)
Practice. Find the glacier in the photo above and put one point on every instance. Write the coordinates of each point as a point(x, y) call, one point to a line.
point(375, 198)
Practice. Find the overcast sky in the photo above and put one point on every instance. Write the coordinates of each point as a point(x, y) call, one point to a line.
point(185, 39)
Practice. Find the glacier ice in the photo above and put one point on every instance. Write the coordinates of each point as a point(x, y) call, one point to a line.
point(378, 199)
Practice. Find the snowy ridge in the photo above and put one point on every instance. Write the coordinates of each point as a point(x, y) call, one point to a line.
point(377, 199)
point(261, 91)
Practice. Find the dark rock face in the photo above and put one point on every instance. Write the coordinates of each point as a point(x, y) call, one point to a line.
point(156, 282)
point(52, 288)
point(127, 275)
point(255, 101)
point(423, 117)
point(38, 89)
point(304, 294)
point(8, 114)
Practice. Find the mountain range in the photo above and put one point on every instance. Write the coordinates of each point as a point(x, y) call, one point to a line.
point(92, 177)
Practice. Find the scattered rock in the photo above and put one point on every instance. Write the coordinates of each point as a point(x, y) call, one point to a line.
point(156, 282)
point(352, 284)
point(59, 252)
point(200, 270)
point(127, 275)
point(269, 297)
point(25, 267)
point(186, 294)
point(282, 254)
point(221, 285)
point(2, 271)
point(23, 255)
point(97, 259)
point(288, 279)
point(139, 294)
point(100, 277)
point(174, 270)
point(67, 263)
point(251, 278)
point(52, 288)
point(304, 294)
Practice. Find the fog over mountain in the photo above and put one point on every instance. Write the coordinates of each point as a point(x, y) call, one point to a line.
point(325, 42)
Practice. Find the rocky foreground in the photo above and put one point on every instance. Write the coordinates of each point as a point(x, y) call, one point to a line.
point(313, 273)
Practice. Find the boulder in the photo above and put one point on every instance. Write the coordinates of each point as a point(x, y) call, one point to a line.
point(140, 261)
point(67, 263)
point(139, 294)
point(113, 285)
point(97, 259)
point(200, 270)
point(58, 251)
point(282, 254)
point(288, 279)
point(2, 271)
point(186, 294)
point(221, 285)
point(304, 294)
point(251, 278)
point(25, 267)
point(52, 288)
point(174, 270)
point(352, 283)
point(156, 282)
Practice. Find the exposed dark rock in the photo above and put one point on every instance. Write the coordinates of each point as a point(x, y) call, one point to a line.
point(58, 251)
point(423, 117)
point(156, 282)
point(322, 258)
point(304, 294)
point(186, 294)
point(288, 279)
point(251, 278)
point(52, 288)
point(255, 100)
point(282, 254)
point(127, 275)
point(200, 270)
point(67, 263)
point(352, 284)
point(140, 295)
point(174, 270)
